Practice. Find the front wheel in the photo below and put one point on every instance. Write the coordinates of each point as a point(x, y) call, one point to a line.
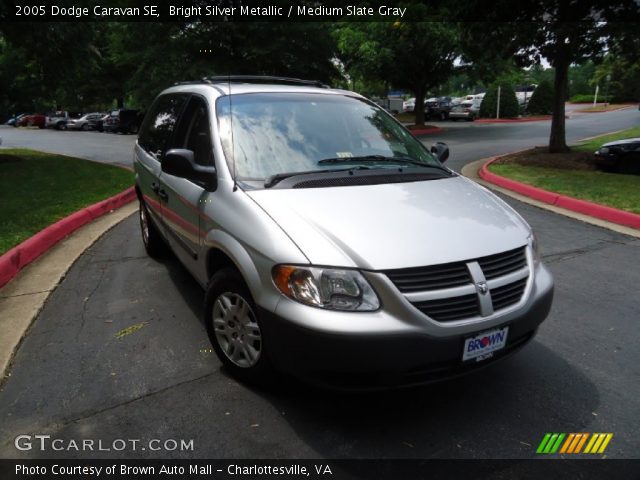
point(234, 329)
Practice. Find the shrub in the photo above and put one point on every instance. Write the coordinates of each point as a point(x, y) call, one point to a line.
point(508, 102)
point(541, 102)
point(589, 98)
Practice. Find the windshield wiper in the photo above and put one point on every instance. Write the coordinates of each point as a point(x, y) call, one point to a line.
point(274, 179)
point(382, 158)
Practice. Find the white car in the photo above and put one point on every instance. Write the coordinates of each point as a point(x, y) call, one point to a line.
point(409, 105)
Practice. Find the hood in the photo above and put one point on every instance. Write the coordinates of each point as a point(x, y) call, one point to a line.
point(399, 225)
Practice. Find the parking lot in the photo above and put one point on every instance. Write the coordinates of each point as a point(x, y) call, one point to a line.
point(74, 378)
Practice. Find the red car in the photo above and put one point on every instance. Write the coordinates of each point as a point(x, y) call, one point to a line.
point(34, 120)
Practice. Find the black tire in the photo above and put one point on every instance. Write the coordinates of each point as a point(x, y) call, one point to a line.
point(133, 129)
point(85, 127)
point(228, 284)
point(61, 126)
point(151, 238)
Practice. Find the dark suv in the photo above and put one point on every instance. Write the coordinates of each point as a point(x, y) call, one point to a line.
point(439, 108)
point(123, 121)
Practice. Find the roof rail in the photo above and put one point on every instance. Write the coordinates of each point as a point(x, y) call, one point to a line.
point(256, 79)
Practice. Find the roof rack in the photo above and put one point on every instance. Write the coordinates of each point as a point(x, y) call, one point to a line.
point(256, 79)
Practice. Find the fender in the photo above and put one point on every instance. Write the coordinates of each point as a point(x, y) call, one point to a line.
point(265, 297)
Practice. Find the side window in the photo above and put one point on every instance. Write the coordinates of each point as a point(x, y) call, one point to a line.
point(160, 122)
point(194, 132)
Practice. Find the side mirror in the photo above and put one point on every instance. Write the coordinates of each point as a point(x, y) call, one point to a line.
point(179, 162)
point(441, 151)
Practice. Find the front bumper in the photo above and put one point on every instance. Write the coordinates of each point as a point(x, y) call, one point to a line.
point(390, 354)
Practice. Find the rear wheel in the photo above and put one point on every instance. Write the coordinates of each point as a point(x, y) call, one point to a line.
point(233, 325)
point(151, 238)
point(61, 126)
point(85, 127)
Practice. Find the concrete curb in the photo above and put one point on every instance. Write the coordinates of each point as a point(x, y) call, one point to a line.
point(585, 207)
point(22, 299)
point(26, 252)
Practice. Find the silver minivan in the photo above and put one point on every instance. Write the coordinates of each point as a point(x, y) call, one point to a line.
point(332, 244)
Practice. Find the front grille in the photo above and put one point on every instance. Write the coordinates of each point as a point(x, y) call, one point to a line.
point(450, 275)
point(452, 308)
point(501, 264)
point(435, 277)
point(508, 295)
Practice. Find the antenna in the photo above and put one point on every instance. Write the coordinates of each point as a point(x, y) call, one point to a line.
point(233, 143)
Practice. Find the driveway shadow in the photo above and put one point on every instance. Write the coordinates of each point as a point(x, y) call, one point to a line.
point(502, 411)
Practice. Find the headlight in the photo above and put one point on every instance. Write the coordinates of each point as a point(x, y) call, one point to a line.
point(603, 151)
point(535, 248)
point(329, 288)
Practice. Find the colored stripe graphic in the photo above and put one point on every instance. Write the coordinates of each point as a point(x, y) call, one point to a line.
point(543, 443)
point(553, 443)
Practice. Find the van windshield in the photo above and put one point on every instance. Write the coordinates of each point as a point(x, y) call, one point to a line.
point(275, 133)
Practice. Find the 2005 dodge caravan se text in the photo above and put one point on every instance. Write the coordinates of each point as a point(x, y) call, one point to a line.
point(332, 244)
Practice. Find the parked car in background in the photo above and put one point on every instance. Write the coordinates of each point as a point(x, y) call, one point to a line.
point(622, 156)
point(33, 120)
point(123, 121)
point(100, 122)
point(524, 93)
point(14, 120)
point(467, 110)
point(439, 108)
point(57, 120)
point(408, 106)
point(86, 122)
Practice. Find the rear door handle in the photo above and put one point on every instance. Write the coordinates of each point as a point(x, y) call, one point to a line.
point(155, 187)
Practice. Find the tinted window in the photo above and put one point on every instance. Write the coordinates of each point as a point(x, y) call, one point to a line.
point(160, 122)
point(194, 132)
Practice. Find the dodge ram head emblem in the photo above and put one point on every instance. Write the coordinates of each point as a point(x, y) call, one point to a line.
point(482, 287)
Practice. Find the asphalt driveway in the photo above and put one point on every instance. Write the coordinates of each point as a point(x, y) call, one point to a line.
point(119, 351)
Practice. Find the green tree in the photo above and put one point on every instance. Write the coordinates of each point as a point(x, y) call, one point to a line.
point(541, 102)
point(413, 56)
point(508, 102)
point(562, 31)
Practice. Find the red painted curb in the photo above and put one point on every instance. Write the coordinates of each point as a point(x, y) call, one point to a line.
point(26, 252)
point(426, 131)
point(585, 207)
point(543, 118)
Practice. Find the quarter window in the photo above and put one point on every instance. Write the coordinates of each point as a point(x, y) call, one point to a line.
point(194, 132)
point(160, 123)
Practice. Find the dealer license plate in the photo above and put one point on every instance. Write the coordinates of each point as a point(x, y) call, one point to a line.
point(483, 345)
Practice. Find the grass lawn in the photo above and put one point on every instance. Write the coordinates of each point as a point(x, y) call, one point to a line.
point(603, 108)
point(37, 189)
point(574, 173)
point(612, 189)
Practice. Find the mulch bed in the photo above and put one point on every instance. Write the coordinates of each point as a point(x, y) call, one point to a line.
point(540, 157)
